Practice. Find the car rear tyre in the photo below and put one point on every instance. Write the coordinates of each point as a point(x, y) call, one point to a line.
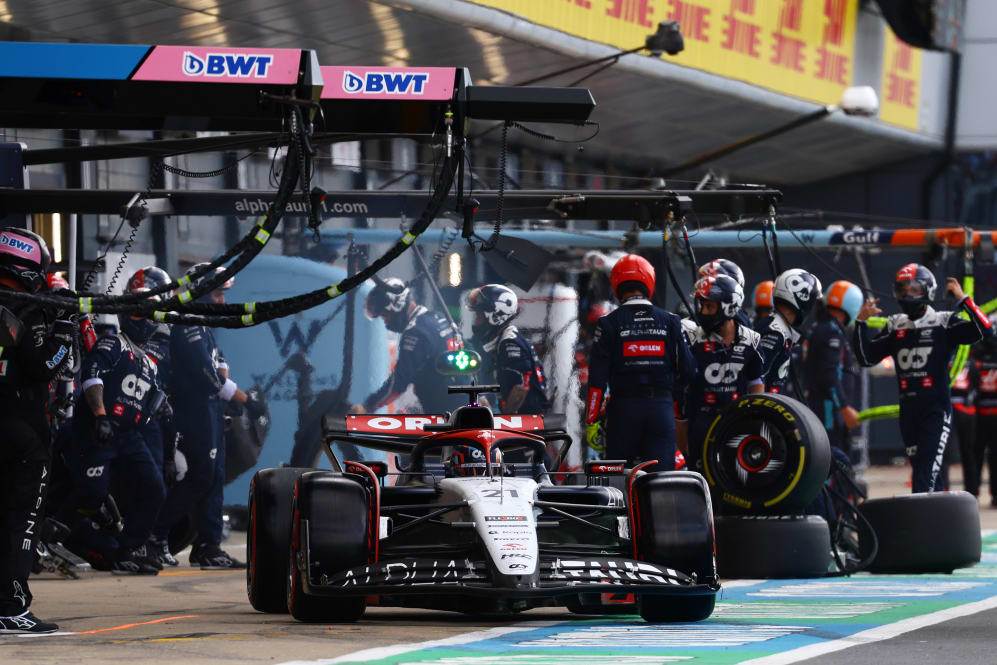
point(674, 609)
point(765, 454)
point(329, 534)
point(922, 533)
point(770, 547)
point(267, 535)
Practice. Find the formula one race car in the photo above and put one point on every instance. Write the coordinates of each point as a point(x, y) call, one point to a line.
point(474, 522)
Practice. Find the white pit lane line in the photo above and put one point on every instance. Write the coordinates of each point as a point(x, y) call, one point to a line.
point(377, 653)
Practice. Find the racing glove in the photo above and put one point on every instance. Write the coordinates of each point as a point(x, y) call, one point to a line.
point(180, 464)
point(103, 430)
point(594, 437)
point(254, 405)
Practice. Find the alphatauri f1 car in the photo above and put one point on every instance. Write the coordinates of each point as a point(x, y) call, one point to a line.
point(476, 522)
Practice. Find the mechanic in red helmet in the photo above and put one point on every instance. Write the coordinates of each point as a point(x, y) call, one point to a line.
point(921, 341)
point(639, 353)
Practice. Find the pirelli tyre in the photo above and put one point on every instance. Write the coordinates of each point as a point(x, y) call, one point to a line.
point(673, 526)
point(765, 454)
point(922, 533)
point(330, 532)
point(772, 546)
point(267, 536)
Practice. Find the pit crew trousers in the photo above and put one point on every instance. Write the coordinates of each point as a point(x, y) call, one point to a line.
point(986, 448)
point(964, 423)
point(203, 444)
point(24, 476)
point(641, 428)
point(138, 482)
point(925, 434)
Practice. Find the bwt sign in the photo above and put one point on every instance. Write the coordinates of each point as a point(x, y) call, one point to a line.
point(386, 83)
point(241, 65)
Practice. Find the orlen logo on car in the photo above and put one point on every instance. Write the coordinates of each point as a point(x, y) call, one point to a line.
point(385, 83)
point(643, 349)
point(241, 65)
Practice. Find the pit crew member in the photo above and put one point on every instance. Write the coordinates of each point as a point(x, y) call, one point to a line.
point(29, 360)
point(984, 363)
point(761, 299)
point(795, 293)
point(732, 270)
point(921, 341)
point(425, 335)
point(509, 359)
point(639, 353)
point(830, 368)
point(726, 355)
point(199, 384)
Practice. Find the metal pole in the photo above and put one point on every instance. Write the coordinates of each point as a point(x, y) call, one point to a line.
point(72, 251)
point(436, 290)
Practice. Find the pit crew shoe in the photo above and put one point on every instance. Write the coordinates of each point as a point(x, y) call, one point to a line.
point(133, 562)
point(26, 624)
point(159, 550)
point(212, 557)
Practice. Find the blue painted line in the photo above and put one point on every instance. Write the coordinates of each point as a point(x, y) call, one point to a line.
point(69, 61)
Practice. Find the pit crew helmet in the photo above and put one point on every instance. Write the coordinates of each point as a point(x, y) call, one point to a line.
point(389, 298)
point(845, 296)
point(151, 277)
point(722, 290)
point(914, 289)
point(723, 267)
point(494, 305)
point(799, 290)
point(25, 257)
point(633, 270)
point(142, 281)
point(224, 286)
point(761, 297)
point(469, 461)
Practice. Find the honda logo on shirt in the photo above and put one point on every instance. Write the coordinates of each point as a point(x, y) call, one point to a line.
point(643, 349)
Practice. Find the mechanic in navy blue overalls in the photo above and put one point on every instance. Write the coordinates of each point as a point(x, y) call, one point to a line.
point(39, 354)
point(921, 341)
point(639, 353)
point(830, 368)
point(425, 336)
point(160, 433)
point(119, 386)
point(199, 384)
point(727, 360)
point(508, 357)
point(794, 295)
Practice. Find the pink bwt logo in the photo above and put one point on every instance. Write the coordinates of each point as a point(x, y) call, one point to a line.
point(387, 83)
point(241, 65)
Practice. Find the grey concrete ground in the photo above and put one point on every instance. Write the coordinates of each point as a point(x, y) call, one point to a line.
point(188, 616)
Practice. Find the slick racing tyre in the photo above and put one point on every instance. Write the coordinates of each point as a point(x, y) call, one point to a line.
point(267, 535)
point(922, 533)
point(673, 527)
point(769, 547)
point(765, 454)
point(329, 534)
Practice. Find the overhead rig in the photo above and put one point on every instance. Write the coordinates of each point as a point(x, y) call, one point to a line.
point(283, 97)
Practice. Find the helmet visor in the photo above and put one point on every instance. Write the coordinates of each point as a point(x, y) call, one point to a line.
point(909, 288)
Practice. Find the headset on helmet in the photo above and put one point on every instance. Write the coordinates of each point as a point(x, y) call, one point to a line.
point(722, 290)
point(24, 256)
point(151, 277)
point(470, 461)
point(633, 268)
point(845, 296)
point(722, 267)
point(799, 290)
point(914, 289)
point(762, 295)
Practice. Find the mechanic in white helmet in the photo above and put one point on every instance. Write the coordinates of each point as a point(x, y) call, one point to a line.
point(509, 358)
point(794, 296)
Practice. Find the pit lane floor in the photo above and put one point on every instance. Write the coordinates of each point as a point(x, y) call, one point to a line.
point(185, 615)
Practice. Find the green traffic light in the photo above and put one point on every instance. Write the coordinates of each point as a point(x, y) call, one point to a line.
point(461, 361)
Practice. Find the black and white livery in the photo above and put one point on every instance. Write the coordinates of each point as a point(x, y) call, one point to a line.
point(498, 538)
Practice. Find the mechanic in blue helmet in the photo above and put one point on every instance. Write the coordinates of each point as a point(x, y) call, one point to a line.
point(727, 359)
point(199, 384)
point(425, 336)
point(639, 354)
point(35, 350)
point(160, 433)
point(120, 393)
point(921, 340)
point(830, 371)
point(795, 294)
point(732, 270)
point(508, 357)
